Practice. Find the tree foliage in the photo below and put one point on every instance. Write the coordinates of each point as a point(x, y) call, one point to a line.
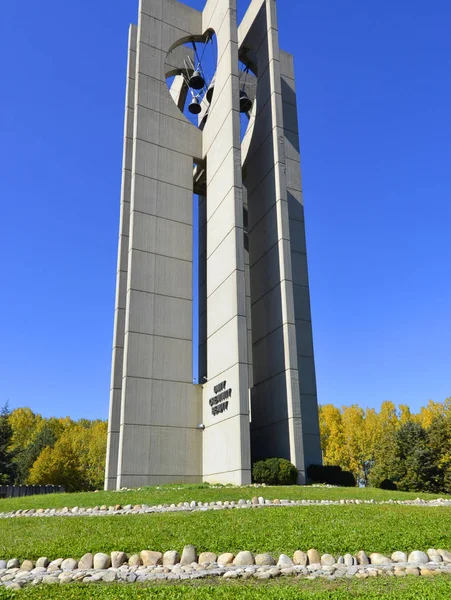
point(6, 454)
point(39, 451)
point(393, 448)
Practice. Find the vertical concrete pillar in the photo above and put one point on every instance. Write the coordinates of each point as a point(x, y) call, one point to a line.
point(276, 428)
point(160, 440)
point(304, 337)
point(122, 269)
point(226, 444)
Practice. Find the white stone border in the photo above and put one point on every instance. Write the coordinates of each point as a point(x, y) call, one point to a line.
point(195, 506)
point(151, 566)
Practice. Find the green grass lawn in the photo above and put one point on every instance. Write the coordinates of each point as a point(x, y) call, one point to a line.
point(203, 493)
point(409, 588)
point(334, 529)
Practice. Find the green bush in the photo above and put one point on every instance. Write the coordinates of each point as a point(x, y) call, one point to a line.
point(387, 484)
point(274, 471)
point(332, 475)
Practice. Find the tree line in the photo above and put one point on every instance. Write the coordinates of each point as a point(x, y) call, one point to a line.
point(55, 451)
point(393, 448)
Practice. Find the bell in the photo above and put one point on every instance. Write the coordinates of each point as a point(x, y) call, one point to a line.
point(194, 108)
point(211, 89)
point(245, 102)
point(196, 81)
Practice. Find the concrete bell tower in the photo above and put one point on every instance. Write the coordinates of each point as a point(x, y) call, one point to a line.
point(237, 193)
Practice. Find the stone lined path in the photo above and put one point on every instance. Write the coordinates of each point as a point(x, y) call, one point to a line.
point(193, 506)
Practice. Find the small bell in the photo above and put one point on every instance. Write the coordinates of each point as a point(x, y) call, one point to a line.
point(195, 108)
point(245, 102)
point(210, 91)
point(196, 81)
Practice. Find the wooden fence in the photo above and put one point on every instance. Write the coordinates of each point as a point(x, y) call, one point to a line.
point(19, 491)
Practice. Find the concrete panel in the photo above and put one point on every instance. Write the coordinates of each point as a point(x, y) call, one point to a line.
point(160, 163)
point(302, 302)
point(121, 289)
point(114, 416)
point(293, 175)
point(161, 236)
point(299, 268)
point(296, 205)
point(304, 338)
point(116, 371)
point(119, 327)
point(268, 231)
point(162, 403)
point(160, 315)
point(225, 178)
point(128, 154)
point(273, 267)
point(111, 461)
point(138, 481)
point(229, 214)
point(297, 236)
point(149, 193)
point(286, 64)
point(224, 261)
point(160, 275)
point(220, 344)
point(149, 356)
point(122, 259)
point(126, 186)
point(162, 451)
point(225, 461)
point(310, 421)
point(273, 354)
point(272, 440)
point(271, 312)
point(173, 134)
point(307, 377)
point(182, 16)
point(225, 310)
point(150, 61)
point(312, 450)
point(158, 33)
point(154, 94)
point(222, 145)
point(261, 199)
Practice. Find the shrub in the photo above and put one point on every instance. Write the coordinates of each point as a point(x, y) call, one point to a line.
point(331, 474)
point(274, 471)
point(388, 484)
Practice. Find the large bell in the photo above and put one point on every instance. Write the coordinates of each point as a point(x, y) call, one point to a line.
point(195, 107)
point(211, 89)
point(196, 81)
point(245, 102)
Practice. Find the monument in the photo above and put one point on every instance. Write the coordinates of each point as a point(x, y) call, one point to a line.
point(213, 364)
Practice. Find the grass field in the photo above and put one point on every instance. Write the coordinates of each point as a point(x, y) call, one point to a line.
point(409, 588)
point(202, 493)
point(333, 529)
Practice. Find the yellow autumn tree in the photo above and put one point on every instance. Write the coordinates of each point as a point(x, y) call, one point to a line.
point(353, 423)
point(76, 461)
point(25, 425)
point(332, 437)
point(429, 413)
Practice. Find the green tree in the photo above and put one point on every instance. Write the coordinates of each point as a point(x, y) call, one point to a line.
point(77, 460)
point(6, 455)
point(25, 459)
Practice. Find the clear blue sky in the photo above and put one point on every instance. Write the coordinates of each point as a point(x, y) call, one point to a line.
point(374, 93)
